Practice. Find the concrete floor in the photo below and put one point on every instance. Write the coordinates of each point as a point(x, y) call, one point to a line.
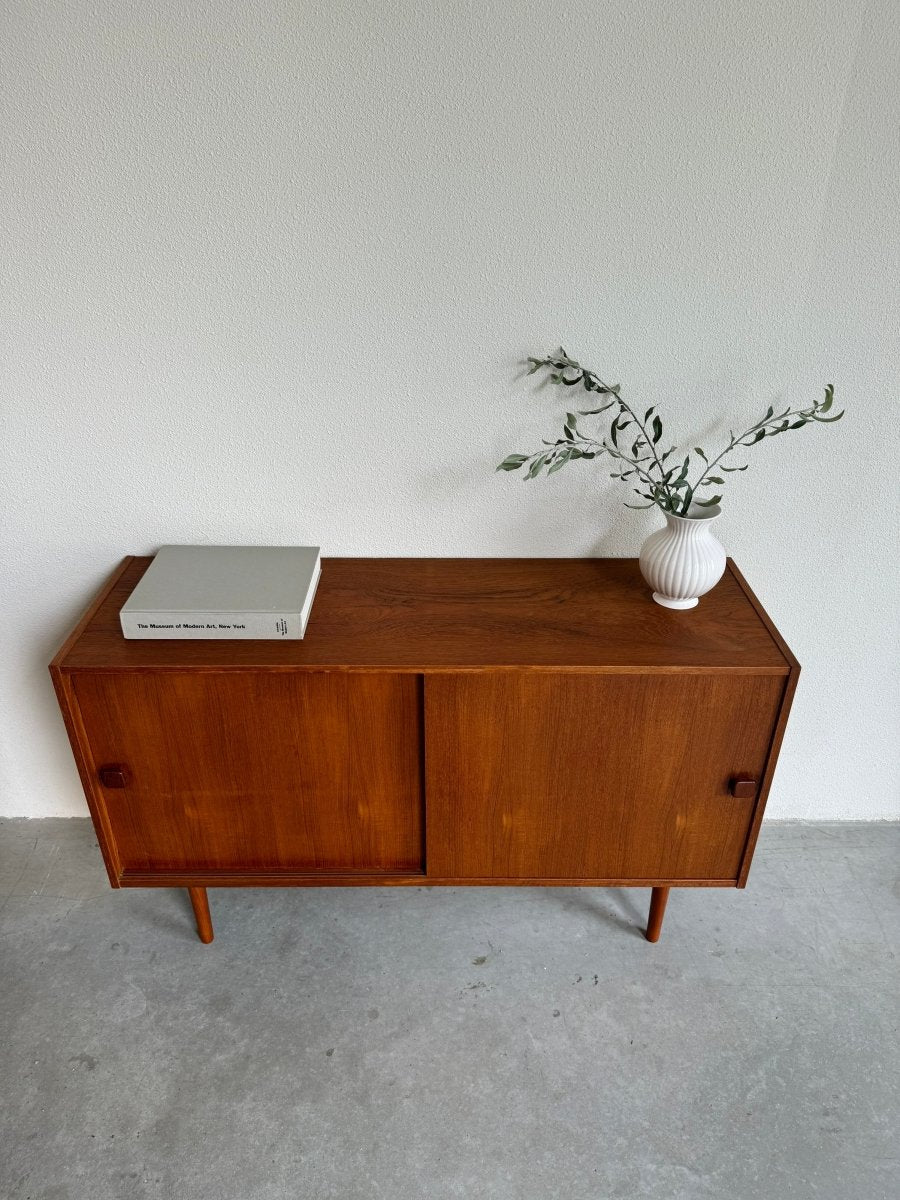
point(408, 1043)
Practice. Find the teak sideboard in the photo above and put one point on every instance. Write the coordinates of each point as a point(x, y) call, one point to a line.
point(444, 721)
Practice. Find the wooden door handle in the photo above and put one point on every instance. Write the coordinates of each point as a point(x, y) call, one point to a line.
point(113, 775)
point(744, 787)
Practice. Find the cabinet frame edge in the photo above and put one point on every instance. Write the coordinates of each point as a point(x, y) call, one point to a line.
point(361, 879)
point(68, 703)
point(71, 714)
point(778, 732)
point(771, 628)
point(787, 698)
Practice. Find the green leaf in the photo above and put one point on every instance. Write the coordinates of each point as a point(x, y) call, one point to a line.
point(648, 412)
point(571, 420)
point(657, 430)
point(760, 434)
point(743, 468)
point(698, 450)
point(535, 469)
point(828, 420)
point(513, 462)
point(798, 424)
point(568, 433)
point(614, 434)
point(592, 412)
point(713, 479)
point(708, 503)
point(829, 398)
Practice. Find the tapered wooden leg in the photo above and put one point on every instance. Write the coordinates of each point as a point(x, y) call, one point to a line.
point(657, 909)
point(200, 905)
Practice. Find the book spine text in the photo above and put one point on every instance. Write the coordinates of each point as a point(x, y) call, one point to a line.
point(213, 626)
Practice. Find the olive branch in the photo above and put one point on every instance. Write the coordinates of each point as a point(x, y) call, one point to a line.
point(667, 487)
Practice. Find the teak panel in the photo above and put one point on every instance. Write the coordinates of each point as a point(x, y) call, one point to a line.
point(259, 772)
point(437, 614)
point(593, 776)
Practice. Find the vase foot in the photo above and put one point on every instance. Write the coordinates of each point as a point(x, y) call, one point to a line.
point(669, 602)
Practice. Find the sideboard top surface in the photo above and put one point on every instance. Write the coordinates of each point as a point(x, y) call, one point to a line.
point(440, 614)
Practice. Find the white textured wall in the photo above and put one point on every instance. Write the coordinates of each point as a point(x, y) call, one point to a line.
point(269, 269)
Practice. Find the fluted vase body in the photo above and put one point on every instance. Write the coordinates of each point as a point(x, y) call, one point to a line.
point(684, 561)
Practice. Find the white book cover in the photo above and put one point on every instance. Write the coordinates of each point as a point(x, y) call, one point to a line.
point(224, 592)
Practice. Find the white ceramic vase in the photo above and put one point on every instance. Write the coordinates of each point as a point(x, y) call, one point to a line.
point(683, 561)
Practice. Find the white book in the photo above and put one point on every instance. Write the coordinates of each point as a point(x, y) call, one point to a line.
point(225, 593)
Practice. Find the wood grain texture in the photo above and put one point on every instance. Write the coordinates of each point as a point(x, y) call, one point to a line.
point(577, 776)
point(259, 772)
point(424, 615)
point(567, 730)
